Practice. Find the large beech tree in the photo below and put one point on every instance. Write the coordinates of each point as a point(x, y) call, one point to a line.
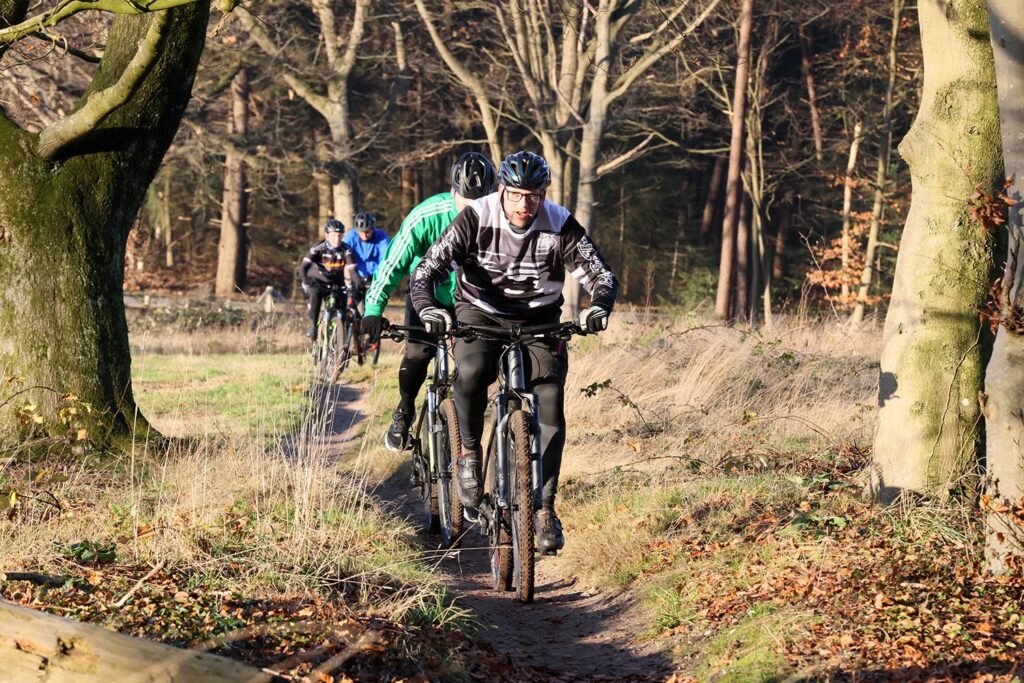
point(68, 197)
point(1004, 376)
point(928, 433)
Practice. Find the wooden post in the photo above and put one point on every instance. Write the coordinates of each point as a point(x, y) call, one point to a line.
point(35, 646)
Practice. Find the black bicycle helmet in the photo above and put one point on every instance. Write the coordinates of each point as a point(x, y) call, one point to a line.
point(334, 225)
point(524, 171)
point(472, 176)
point(365, 221)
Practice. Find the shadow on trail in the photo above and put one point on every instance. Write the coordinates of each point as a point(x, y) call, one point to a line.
point(586, 634)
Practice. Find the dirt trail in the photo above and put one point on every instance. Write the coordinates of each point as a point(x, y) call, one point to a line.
point(568, 628)
point(584, 633)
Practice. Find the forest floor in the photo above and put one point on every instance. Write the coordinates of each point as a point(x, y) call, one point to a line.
point(711, 500)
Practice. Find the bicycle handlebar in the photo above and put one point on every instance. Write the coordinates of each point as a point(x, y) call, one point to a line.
point(495, 332)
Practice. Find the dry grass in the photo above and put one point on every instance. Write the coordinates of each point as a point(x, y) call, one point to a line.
point(261, 511)
point(712, 393)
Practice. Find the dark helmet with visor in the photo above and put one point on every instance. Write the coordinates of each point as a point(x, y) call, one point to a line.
point(524, 171)
point(472, 176)
point(365, 221)
point(334, 225)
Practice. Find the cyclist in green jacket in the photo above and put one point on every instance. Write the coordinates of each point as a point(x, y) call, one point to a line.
point(472, 176)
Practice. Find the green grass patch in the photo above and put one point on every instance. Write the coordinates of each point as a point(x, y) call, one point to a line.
point(748, 652)
point(229, 394)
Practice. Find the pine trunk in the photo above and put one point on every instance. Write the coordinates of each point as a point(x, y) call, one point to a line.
point(724, 301)
point(231, 254)
point(881, 173)
point(66, 224)
point(711, 203)
point(930, 376)
point(1004, 379)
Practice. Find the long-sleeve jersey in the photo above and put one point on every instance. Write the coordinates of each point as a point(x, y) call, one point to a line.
point(369, 253)
point(331, 262)
point(510, 274)
point(420, 229)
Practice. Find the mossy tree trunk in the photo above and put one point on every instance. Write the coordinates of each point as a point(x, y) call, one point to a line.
point(1004, 379)
point(928, 431)
point(65, 223)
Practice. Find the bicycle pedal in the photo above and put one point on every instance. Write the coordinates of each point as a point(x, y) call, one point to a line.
point(549, 553)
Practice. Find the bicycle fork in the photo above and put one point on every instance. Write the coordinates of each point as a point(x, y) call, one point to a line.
point(517, 385)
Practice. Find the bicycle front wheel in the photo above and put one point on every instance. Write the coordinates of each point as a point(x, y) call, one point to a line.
point(449, 444)
point(427, 490)
point(328, 350)
point(499, 544)
point(521, 490)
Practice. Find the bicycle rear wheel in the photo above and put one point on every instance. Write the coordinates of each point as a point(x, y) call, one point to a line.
point(449, 444)
point(521, 490)
point(499, 543)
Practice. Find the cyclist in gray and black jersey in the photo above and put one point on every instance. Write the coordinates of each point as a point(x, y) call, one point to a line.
point(510, 251)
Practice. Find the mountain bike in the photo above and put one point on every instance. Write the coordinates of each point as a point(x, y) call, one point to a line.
point(328, 347)
point(338, 334)
point(435, 444)
point(512, 465)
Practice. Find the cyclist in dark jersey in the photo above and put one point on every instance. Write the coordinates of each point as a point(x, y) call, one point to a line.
point(330, 262)
point(510, 251)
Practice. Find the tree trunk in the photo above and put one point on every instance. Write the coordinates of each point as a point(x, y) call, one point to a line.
point(1004, 379)
point(231, 254)
point(812, 98)
point(593, 132)
point(847, 241)
point(66, 224)
point(927, 436)
point(781, 232)
point(881, 173)
point(724, 302)
point(38, 646)
point(168, 221)
point(325, 201)
point(742, 306)
point(707, 220)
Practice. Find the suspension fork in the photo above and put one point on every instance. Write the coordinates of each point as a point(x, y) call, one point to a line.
point(517, 382)
point(440, 382)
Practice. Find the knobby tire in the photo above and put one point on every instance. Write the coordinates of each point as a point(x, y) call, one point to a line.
point(450, 444)
point(521, 489)
point(499, 543)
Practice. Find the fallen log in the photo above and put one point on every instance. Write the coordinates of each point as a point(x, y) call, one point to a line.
point(35, 646)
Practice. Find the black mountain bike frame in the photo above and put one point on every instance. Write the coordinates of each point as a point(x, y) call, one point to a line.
point(500, 512)
point(433, 466)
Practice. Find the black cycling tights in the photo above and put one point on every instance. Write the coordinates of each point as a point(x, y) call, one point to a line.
point(546, 364)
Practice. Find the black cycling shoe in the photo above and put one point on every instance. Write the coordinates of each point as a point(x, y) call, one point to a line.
point(397, 438)
point(549, 531)
point(467, 479)
point(311, 332)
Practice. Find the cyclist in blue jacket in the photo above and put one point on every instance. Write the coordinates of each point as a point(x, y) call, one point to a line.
point(369, 244)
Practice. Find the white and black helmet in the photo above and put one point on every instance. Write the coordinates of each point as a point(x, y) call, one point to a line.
point(472, 176)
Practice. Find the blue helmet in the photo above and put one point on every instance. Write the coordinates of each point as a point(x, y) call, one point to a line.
point(524, 171)
point(472, 176)
point(334, 225)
